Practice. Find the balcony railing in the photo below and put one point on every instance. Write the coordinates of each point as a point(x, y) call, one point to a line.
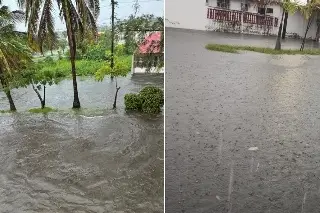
point(236, 16)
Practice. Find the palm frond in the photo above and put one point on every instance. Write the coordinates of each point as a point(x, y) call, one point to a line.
point(14, 52)
point(46, 30)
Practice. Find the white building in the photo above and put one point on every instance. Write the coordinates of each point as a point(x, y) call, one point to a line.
point(241, 16)
point(149, 51)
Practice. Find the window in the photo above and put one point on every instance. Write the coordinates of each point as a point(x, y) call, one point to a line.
point(262, 10)
point(269, 10)
point(223, 4)
point(244, 7)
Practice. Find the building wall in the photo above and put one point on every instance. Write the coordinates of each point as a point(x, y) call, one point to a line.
point(188, 14)
point(143, 70)
point(297, 24)
point(194, 16)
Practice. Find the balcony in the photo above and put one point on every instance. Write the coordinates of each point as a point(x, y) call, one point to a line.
point(236, 16)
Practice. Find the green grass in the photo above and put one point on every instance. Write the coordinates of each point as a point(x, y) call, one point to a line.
point(236, 48)
point(84, 67)
point(6, 111)
point(44, 110)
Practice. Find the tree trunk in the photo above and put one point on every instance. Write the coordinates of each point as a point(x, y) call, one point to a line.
point(116, 95)
point(76, 101)
point(12, 106)
point(39, 96)
point(51, 53)
point(318, 32)
point(284, 31)
point(278, 43)
point(43, 103)
point(8, 93)
point(72, 49)
point(305, 35)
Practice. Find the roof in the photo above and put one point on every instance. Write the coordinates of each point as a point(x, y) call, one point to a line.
point(151, 44)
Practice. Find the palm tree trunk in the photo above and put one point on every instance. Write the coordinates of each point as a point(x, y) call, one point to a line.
point(76, 101)
point(318, 32)
point(305, 35)
point(8, 94)
point(278, 43)
point(72, 48)
point(285, 22)
point(44, 97)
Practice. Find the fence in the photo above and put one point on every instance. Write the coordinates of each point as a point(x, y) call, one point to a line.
point(237, 16)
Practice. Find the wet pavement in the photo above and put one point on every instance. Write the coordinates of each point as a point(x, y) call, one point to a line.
point(242, 130)
point(91, 161)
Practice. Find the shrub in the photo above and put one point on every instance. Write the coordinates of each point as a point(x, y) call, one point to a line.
point(48, 59)
point(133, 101)
point(96, 52)
point(152, 91)
point(79, 55)
point(149, 100)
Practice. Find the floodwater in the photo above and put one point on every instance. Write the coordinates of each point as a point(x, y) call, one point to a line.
point(92, 94)
point(251, 40)
point(91, 161)
point(242, 130)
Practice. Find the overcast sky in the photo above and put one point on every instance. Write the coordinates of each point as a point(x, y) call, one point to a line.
point(124, 9)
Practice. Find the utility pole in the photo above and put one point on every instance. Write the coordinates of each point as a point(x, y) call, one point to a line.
point(113, 4)
point(112, 33)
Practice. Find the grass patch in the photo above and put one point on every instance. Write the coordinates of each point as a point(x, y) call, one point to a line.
point(44, 110)
point(6, 111)
point(236, 48)
point(62, 68)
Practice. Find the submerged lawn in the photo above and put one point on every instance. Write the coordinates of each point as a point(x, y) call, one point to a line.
point(44, 110)
point(266, 50)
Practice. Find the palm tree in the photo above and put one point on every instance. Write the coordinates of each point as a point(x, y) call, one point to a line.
point(13, 52)
point(285, 23)
point(78, 16)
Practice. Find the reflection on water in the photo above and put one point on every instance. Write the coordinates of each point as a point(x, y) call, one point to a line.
point(92, 94)
point(80, 162)
point(92, 160)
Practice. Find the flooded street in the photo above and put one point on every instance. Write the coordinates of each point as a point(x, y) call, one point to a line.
point(95, 160)
point(242, 130)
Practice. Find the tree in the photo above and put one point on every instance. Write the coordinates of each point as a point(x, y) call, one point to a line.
point(63, 44)
point(285, 23)
point(120, 69)
point(290, 7)
point(14, 53)
point(79, 17)
point(278, 42)
point(39, 77)
point(309, 11)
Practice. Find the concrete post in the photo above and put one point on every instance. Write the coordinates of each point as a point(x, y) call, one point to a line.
point(132, 64)
point(242, 22)
point(273, 21)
